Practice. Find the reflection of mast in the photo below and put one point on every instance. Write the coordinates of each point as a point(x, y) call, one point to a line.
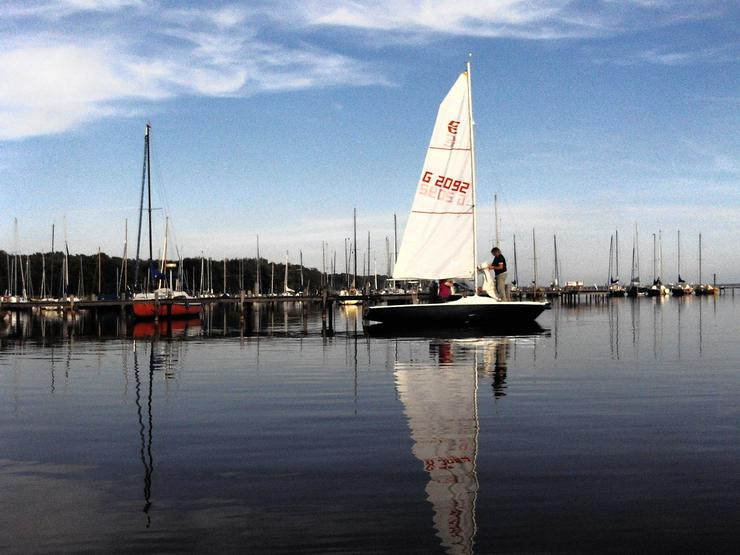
point(440, 403)
point(145, 431)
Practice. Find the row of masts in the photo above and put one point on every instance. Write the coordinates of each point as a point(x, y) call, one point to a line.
point(174, 275)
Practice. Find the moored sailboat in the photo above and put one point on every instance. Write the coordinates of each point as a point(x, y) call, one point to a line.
point(703, 288)
point(162, 300)
point(680, 288)
point(440, 240)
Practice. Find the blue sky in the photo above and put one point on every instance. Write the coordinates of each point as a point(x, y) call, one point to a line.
point(278, 118)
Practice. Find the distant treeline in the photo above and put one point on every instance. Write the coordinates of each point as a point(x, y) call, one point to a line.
point(42, 273)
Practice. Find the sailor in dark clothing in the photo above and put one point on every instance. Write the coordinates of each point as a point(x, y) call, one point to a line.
point(499, 269)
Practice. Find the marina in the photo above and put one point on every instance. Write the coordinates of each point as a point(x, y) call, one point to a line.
point(315, 317)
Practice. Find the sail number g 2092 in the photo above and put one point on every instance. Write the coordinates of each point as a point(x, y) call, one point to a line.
point(444, 188)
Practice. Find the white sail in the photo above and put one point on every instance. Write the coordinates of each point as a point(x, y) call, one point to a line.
point(439, 235)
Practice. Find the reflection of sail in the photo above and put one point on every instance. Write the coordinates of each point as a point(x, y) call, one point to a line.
point(440, 403)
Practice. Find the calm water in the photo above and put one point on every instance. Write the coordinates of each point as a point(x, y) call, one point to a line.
point(616, 428)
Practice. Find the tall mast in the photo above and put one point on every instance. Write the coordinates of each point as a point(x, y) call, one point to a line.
point(51, 265)
point(616, 253)
point(149, 194)
point(346, 261)
point(285, 286)
point(125, 254)
point(557, 271)
point(637, 255)
point(611, 258)
point(534, 253)
point(495, 219)
point(678, 266)
point(258, 280)
point(323, 261)
point(660, 254)
point(516, 266)
point(700, 282)
point(472, 180)
point(141, 203)
point(354, 243)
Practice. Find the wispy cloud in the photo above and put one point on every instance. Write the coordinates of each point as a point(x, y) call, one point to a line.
point(671, 56)
point(56, 72)
point(65, 63)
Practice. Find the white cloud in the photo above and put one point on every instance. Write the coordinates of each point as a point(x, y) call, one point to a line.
point(56, 72)
point(59, 73)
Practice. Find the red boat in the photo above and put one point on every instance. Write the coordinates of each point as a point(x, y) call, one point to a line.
point(172, 304)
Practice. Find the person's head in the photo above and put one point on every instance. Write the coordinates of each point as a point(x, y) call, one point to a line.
point(495, 251)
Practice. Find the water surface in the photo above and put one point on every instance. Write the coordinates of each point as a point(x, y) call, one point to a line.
point(614, 428)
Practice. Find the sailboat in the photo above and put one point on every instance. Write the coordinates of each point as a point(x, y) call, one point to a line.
point(440, 240)
point(615, 289)
point(680, 288)
point(703, 288)
point(351, 296)
point(635, 289)
point(161, 300)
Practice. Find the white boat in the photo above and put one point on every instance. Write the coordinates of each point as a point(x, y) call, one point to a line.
point(440, 239)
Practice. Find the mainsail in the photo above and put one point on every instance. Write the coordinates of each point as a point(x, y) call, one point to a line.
point(439, 238)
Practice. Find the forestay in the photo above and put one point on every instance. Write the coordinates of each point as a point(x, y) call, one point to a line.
point(439, 235)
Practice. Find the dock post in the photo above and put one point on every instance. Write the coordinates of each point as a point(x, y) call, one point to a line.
point(249, 317)
point(323, 311)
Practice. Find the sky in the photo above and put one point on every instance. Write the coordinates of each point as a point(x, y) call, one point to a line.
point(278, 119)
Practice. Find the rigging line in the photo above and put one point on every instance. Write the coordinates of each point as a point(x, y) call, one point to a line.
point(449, 149)
point(162, 193)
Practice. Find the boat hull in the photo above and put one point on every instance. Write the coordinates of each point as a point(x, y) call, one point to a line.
point(463, 313)
point(179, 309)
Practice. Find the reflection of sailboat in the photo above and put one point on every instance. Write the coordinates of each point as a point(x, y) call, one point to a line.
point(440, 403)
point(165, 328)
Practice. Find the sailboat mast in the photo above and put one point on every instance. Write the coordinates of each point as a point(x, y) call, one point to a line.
point(516, 266)
point(635, 277)
point(616, 253)
point(557, 267)
point(259, 270)
point(655, 254)
point(354, 243)
point(611, 259)
point(678, 266)
point(51, 262)
point(700, 282)
point(149, 193)
point(534, 256)
point(285, 286)
point(495, 219)
point(141, 204)
point(472, 181)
